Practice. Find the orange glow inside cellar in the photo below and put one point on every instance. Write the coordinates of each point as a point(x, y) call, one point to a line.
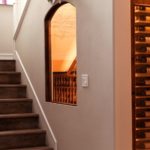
point(63, 38)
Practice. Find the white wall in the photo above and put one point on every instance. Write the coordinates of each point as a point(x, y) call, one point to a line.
point(6, 29)
point(90, 125)
point(123, 100)
point(19, 6)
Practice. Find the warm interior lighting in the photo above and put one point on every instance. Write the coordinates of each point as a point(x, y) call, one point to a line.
point(63, 38)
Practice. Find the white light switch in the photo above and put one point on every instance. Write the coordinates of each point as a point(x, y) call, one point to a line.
point(84, 80)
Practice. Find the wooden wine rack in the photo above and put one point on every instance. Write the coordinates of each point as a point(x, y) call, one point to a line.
point(141, 75)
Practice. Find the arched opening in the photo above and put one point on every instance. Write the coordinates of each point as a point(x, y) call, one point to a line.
point(60, 53)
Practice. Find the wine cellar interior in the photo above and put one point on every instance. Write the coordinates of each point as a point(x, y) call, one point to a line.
point(141, 74)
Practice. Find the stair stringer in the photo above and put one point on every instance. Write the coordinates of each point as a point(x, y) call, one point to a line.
point(37, 107)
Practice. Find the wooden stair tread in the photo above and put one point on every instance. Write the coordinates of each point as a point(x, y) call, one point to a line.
point(34, 148)
point(12, 85)
point(7, 77)
point(18, 115)
point(15, 100)
point(7, 60)
point(7, 65)
point(25, 131)
point(16, 106)
point(9, 72)
point(19, 126)
point(8, 91)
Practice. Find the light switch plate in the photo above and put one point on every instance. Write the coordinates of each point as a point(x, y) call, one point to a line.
point(84, 80)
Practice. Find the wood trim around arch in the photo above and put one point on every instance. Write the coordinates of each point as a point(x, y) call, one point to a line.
point(49, 16)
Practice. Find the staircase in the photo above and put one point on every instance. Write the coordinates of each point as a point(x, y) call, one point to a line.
point(19, 126)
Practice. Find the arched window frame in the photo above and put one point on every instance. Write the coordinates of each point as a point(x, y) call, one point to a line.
point(48, 77)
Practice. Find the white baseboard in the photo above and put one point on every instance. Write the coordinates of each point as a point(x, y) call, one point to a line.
point(6, 56)
point(37, 99)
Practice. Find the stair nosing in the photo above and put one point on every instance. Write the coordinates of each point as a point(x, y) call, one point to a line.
point(34, 148)
point(18, 115)
point(19, 132)
point(12, 85)
point(10, 72)
point(15, 100)
point(8, 60)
